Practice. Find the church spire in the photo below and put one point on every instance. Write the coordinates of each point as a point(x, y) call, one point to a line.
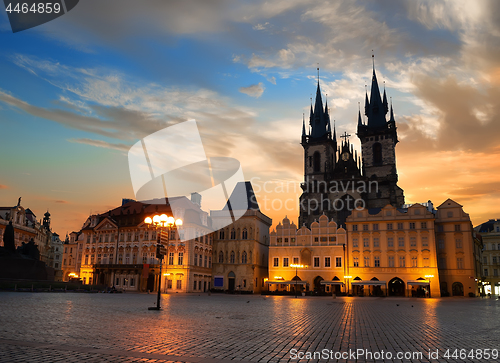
point(367, 104)
point(303, 126)
point(384, 101)
point(376, 109)
point(392, 114)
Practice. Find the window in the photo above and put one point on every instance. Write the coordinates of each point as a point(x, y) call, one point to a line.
point(194, 285)
point(209, 261)
point(117, 281)
point(485, 272)
point(376, 242)
point(423, 225)
point(354, 227)
point(375, 227)
point(201, 260)
point(460, 263)
point(338, 261)
point(485, 260)
point(388, 213)
point(327, 261)
point(171, 258)
point(412, 225)
point(376, 261)
point(244, 257)
point(221, 257)
point(56, 265)
point(426, 262)
point(492, 246)
point(316, 261)
point(233, 234)
point(457, 227)
point(413, 241)
point(401, 241)
point(495, 272)
point(244, 235)
point(296, 260)
point(494, 260)
point(389, 226)
point(365, 227)
point(276, 261)
point(442, 262)
point(367, 261)
point(413, 262)
point(402, 261)
point(206, 261)
point(498, 246)
point(221, 234)
point(425, 241)
point(146, 235)
point(450, 214)
point(441, 243)
point(391, 261)
point(356, 262)
point(316, 239)
point(440, 228)
point(400, 225)
point(390, 242)
point(144, 259)
point(355, 242)
point(179, 284)
point(285, 262)
point(366, 242)
point(458, 243)
point(232, 258)
point(132, 282)
point(196, 259)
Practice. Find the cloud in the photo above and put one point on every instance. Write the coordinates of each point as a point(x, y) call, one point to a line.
point(61, 202)
point(100, 143)
point(255, 90)
point(3, 186)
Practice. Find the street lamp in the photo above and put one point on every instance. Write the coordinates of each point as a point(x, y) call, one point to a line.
point(297, 266)
point(429, 277)
point(160, 222)
point(347, 277)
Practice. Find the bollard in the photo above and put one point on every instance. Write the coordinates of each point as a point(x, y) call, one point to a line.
point(334, 296)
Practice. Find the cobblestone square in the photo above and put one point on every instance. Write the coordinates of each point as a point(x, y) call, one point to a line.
point(72, 327)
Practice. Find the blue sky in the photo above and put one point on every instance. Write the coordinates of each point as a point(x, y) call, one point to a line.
point(77, 92)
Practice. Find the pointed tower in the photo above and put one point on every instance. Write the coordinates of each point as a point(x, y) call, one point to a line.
point(378, 148)
point(319, 155)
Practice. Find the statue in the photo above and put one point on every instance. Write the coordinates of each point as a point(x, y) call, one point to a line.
point(19, 202)
point(8, 238)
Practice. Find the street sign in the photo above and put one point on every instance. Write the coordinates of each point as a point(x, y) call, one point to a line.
point(160, 251)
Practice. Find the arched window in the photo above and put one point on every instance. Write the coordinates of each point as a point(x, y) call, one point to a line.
point(317, 161)
point(244, 257)
point(377, 153)
point(221, 234)
point(232, 257)
point(244, 234)
point(233, 234)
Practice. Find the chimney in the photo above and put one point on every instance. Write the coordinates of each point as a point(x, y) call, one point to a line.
point(196, 199)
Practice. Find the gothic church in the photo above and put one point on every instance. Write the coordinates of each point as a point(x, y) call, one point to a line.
point(336, 179)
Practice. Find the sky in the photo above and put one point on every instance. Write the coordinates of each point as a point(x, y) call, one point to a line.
point(77, 92)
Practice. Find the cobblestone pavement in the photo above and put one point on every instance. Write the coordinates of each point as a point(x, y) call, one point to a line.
point(72, 327)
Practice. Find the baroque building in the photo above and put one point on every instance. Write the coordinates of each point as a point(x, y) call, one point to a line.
point(241, 248)
point(336, 178)
point(116, 248)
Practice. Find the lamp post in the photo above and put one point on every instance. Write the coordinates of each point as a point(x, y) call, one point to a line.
point(297, 266)
point(347, 277)
point(429, 277)
point(161, 222)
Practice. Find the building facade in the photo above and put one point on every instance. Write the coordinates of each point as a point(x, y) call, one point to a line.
point(319, 251)
point(241, 248)
point(490, 233)
point(118, 249)
point(392, 252)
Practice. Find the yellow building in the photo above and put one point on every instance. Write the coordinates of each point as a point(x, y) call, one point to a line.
point(319, 251)
point(392, 252)
point(456, 251)
point(241, 248)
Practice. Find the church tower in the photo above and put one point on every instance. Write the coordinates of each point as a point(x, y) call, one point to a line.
point(320, 148)
point(378, 142)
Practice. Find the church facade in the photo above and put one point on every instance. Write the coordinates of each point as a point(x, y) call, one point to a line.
point(336, 179)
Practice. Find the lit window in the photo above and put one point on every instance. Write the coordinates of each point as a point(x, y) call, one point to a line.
point(356, 262)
